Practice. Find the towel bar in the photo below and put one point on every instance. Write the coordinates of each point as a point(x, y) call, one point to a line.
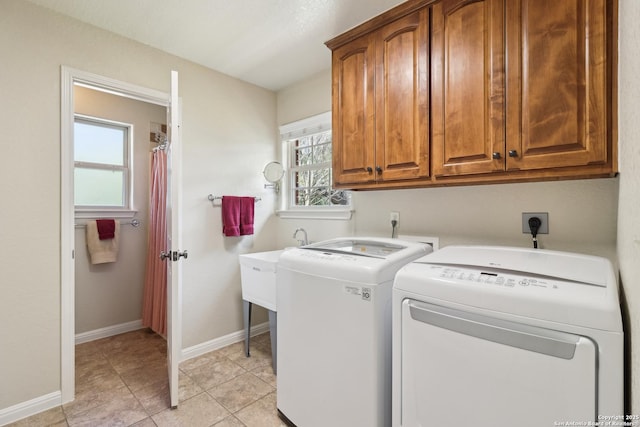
point(211, 198)
point(134, 222)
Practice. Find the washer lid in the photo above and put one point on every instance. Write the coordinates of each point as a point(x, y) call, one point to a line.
point(540, 262)
point(362, 247)
point(364, 260)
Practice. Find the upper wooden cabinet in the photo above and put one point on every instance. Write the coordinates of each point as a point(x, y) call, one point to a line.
point(535, 99)
point(381, 103)
point(557, 99)
point(476, 91)
point(353, 112)
point(468, 77)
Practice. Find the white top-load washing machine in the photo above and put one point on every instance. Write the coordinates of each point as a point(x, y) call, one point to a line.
point(502, 337)
point(334, 330)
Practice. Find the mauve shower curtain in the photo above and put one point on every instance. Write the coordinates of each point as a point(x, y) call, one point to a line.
point(154, 306)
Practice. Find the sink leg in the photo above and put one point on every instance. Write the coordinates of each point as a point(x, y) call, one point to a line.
point(246, 315)
point(273, 333)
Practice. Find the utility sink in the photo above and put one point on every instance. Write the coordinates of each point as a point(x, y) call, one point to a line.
point(258, 277)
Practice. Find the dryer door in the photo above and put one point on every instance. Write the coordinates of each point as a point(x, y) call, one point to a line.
point(460, 368)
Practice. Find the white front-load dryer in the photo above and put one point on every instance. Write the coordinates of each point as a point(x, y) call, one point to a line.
point(502, 337)
point(334, 330)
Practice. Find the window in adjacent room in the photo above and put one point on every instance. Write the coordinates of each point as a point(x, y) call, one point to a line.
point(307, 147)
point(102, 166)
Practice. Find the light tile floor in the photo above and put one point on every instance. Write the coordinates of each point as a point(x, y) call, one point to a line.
point(122, 381)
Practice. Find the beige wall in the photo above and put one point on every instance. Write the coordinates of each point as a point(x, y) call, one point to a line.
point(229, 133)
point(304, 99)
point(629, 205)
point(582, 214)
point(111, 294)
point(299, 101)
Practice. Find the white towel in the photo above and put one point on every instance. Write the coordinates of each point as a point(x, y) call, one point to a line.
point(102, 251)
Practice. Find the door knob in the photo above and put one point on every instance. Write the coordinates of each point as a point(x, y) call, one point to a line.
point(496, 156)
point(173, 255)
point(378, 169)
point(513, 153)
point(177, 255)
point(369, 169)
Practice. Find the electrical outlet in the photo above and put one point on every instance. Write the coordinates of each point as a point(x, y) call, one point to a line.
point(395, 216)
point(544, 219)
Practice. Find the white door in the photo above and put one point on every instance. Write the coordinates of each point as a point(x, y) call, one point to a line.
point(174, 237)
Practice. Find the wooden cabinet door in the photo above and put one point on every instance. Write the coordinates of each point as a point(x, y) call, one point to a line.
point(353, 112)
point(402, 98)
point(557, 90)
point(468, 106)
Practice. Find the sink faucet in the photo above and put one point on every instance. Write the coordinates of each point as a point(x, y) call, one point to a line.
point(304, 241)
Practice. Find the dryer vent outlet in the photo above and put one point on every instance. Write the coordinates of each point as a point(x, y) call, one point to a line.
point(544, 222)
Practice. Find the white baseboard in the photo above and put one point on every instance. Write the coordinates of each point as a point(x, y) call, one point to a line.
point(30, 407)
point(109, 331)
point(187, 353)
point(218, 343)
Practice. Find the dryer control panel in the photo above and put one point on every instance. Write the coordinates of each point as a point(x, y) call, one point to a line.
point(492, 277)
point(552, 286)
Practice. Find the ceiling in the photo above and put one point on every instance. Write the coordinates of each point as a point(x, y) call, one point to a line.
point(270, 43)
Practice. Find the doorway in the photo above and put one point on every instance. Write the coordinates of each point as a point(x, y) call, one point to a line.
point(72, 79)
point(113, 138)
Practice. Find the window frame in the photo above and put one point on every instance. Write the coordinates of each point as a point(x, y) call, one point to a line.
point(97, 211)
point(288, 134)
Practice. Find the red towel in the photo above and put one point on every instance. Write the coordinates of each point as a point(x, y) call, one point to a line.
point(231, 215)
point(247, 205)
point(106, 228)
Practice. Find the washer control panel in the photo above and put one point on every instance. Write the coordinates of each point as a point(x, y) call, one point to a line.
point(488, 277)
point(329, 256)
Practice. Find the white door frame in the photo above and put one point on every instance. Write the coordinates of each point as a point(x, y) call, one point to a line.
point(71, 76)
point(174, 235)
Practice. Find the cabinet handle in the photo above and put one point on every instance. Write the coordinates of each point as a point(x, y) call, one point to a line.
point(369, 169)
point(496, 156)
point(513, 153)
point(378, 169)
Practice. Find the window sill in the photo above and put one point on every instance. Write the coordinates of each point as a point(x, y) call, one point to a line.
point(104, 213)
point(332, 214)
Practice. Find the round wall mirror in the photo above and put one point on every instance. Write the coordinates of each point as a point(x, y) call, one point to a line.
point(273, 172)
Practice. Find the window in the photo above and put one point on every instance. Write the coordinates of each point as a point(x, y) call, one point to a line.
point(102, 170)
point(307, 147)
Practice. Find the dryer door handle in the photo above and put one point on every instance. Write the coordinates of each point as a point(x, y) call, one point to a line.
point(518, 335)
